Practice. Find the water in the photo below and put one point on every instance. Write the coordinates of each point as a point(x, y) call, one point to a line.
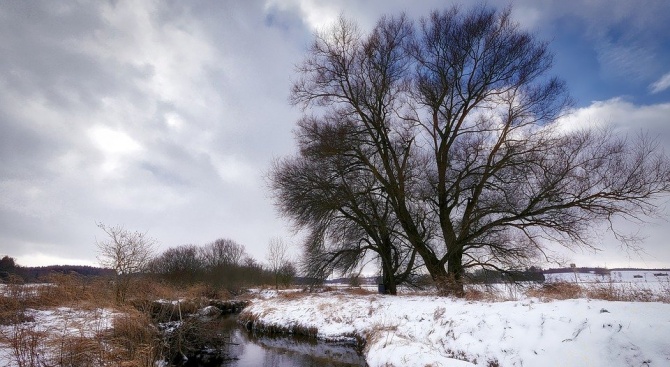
point(246, 349)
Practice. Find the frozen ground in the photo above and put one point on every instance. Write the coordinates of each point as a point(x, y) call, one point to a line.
point(436, 331)
point(46, 328)
point(616, 276)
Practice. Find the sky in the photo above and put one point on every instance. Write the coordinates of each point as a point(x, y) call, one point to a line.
point(165, 116)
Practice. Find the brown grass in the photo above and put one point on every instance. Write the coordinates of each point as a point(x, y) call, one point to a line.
point(134, 339)
point(74, 290)
point(557, 290)
point(291, 295)
point(358, 291)
point(78, 351)
point(622, 292)
point(609, 291)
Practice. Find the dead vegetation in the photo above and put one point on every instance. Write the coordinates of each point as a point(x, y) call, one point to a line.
point(96, 331)
point(76, 321)
point(562, 290)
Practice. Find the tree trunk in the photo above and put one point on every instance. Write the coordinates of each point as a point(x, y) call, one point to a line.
point(390, 283)
point(454, 280)
point(388, 276)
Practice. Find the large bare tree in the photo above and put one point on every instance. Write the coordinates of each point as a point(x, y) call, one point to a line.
point(455, 118)
point(345, 212)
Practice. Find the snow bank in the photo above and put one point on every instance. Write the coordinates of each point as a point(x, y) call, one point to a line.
point(426, 330)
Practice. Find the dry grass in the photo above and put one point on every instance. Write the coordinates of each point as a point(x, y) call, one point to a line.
point(26, 344)
point(358, 291)
point(609, 291)
point(78, 351)
point(290, 296)
point(134, 339)
point(557, 290)
point(74, 290)
point(624, 292)
point(87, 339)
point(82, 340)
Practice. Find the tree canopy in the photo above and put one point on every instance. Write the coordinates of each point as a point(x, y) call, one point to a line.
point(452, 125)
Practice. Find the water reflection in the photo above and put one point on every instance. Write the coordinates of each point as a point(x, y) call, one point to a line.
point(253, 350)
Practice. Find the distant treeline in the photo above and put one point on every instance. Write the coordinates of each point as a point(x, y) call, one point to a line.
point(220, 264)
point(32, 274)
point(36, 274)
point(487, 276)
point(596, 270)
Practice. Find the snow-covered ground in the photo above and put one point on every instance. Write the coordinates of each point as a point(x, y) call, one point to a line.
point(46, 327)
point(640, 284)
point(616, 276)
point(438, 331)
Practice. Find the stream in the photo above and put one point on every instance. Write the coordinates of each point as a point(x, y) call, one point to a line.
point(248, 349)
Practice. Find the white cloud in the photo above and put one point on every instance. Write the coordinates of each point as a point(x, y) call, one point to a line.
point(233, 169)
point(661, 84)
point(629, 119)
point(116, 146)
point(621, 114)
point(112, 141)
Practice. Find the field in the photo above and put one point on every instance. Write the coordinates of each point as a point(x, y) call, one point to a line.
point(570, 320)
point(74, 321)
point(592, 322)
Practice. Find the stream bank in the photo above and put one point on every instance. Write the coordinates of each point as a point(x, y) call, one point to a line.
point(208, 333)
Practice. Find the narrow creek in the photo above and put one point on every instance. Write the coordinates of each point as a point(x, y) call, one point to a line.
point(243, 348)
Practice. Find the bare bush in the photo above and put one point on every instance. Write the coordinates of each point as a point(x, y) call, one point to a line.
point(128, 253)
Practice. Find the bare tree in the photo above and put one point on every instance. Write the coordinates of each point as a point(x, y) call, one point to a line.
point(278, 258)
point(455, 119)
point(223, 252)
point(181, 265)
point(345, 212)
point(126, 252)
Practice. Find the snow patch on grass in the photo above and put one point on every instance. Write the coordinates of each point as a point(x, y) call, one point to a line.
point(427, 330)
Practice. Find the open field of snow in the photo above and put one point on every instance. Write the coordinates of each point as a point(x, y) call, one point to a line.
point(437, 331)
point(616, 276)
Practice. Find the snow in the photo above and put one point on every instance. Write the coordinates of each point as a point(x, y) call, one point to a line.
point(54, 324)
point(616, 276)
point(428, 330)
point(66, 321)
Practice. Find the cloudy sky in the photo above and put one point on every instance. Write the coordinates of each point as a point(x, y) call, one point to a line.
point(163, 116)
